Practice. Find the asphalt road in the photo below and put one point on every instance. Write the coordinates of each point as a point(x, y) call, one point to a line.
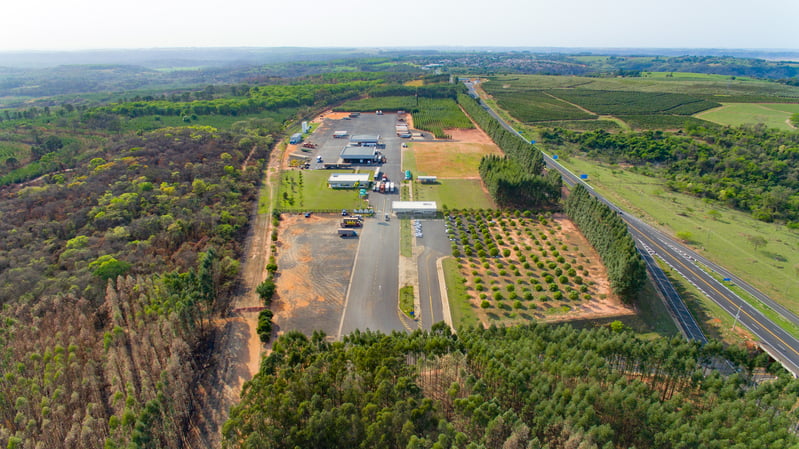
point(436, 245)
point(773, 339)
point(373, 294)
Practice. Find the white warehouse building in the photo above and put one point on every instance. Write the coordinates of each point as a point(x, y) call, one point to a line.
point(424, 208)
point(348, 180)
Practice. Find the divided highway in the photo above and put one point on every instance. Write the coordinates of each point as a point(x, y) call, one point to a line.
point(773, 339)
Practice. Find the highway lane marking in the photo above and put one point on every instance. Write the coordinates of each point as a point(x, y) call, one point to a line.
point(726, 298)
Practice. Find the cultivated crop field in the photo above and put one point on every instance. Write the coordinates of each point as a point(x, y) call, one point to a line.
point(517, 268)
point(709, 88)
point(536, 106)
point(632, 103)
point(437, 115)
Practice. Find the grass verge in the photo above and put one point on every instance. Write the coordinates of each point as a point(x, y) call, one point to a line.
point(406, 300)
point(406, 249)
point(460, 307)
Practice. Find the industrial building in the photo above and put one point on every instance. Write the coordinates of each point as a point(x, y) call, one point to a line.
point(348, 180)
point(414, 208)
point(365, 140)
point(360, 155)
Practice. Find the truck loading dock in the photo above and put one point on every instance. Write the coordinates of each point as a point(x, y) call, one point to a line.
point(359, 155)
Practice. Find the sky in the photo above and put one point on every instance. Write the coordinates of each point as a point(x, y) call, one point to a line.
point(103, 24)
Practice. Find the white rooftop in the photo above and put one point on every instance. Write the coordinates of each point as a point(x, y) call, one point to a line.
point(345, 177)
point(416, 205)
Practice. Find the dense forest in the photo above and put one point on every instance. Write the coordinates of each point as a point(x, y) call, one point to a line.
point(532, 387)
point(751, 168)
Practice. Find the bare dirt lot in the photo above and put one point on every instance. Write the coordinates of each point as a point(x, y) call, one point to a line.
point(314, 271)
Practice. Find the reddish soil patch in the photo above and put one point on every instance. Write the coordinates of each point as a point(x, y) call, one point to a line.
point(475, 135)
point(314, 272)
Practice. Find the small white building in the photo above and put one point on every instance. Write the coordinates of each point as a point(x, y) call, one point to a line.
point(340, 134)
point(348, 180)
point(414, 208)
point(427, 179)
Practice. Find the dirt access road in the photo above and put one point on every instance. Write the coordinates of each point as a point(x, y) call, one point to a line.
point(237, 348)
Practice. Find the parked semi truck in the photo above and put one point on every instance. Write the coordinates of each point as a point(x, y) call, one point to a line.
point(344, 232)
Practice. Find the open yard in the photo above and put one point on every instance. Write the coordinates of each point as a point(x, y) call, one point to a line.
point(313, 278)
point(773, 115)
point(517, 269)
point(302, 190)
point(447, 159)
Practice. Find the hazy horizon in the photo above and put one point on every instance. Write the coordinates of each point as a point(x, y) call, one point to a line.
point(49, 25)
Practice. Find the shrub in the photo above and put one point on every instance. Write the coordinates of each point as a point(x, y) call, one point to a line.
point(553, 287)
point(264, 328)
point(498, 296)
point(485, 304)
point(557, 296)
point(563, 279)
point(574, 295)
point(517, 304)
point(266, 290)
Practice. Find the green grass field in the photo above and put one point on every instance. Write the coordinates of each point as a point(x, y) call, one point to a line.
point(454, 194)
point(773, 115)
point(459, 305)
point(313, 194)
point(716, 231)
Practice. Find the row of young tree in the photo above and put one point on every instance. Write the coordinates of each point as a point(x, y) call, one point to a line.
point(609, 235)
point(751, 168)
point(517, 179)
point(536, 386)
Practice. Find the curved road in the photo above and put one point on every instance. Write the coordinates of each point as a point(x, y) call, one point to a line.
point(778, 343)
